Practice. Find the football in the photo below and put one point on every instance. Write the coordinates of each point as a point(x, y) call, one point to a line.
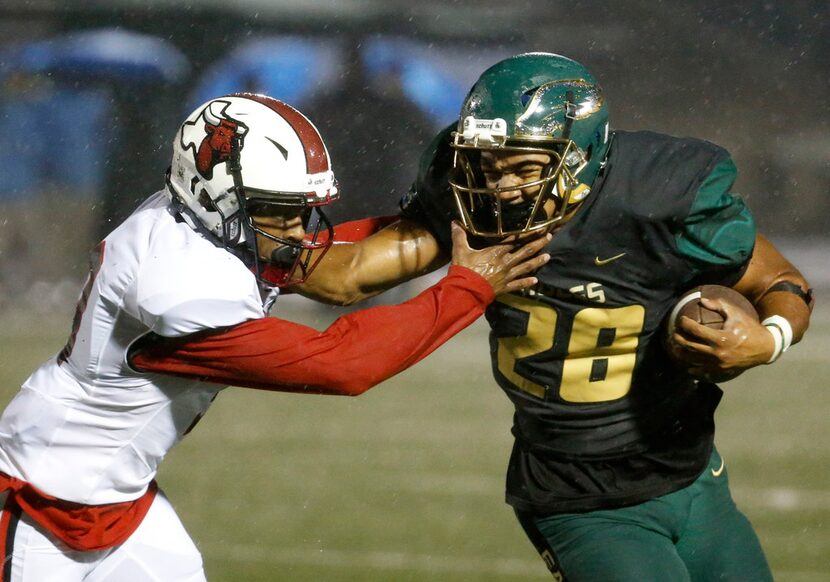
point(690, 306)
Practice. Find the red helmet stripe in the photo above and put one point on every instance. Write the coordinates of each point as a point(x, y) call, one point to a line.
point(316, 158)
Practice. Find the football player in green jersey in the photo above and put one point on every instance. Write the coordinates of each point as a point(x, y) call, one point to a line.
point(613, 475)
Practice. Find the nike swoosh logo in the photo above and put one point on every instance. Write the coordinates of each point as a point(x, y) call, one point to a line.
point(719, 470)
point(600, 262)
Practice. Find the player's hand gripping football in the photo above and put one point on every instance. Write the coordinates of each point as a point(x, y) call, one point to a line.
point(722, 354)
point(507, 267)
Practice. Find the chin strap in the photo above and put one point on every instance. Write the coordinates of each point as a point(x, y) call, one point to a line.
point(182, 213)
point(570, 114)
point(285, 256)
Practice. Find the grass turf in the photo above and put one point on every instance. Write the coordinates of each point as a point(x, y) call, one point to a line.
point(405, 483)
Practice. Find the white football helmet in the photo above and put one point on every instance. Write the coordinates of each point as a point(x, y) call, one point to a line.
point(245, 150)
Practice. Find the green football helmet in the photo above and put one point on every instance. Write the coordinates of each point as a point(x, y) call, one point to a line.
point(531, 103)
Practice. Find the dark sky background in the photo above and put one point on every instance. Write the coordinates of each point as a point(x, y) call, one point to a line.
point(752, 77)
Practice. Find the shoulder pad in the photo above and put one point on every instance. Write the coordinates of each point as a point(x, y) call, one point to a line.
point(193, 289)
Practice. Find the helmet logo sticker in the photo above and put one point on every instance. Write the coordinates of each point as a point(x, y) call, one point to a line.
point(539, 119)
point(217, 137)
point(280, 147)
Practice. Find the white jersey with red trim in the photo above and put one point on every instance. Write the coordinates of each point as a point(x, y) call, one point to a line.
point(87, 428)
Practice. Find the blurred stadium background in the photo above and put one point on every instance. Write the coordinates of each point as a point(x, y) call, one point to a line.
point(406, 482)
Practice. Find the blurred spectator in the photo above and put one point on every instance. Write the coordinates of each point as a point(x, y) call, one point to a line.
point(62, 109)
point(52, 180)
point(58, 136)
point(289, 68)
point(421, 72)
point(375, 135)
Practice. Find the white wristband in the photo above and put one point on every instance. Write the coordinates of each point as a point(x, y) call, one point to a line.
point(782, 334)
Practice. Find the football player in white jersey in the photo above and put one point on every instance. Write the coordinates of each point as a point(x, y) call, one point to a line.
point(175, 308)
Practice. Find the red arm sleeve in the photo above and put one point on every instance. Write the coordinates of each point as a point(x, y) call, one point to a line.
point(356, 352)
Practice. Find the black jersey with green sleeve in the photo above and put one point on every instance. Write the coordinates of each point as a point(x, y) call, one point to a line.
point(603, 418)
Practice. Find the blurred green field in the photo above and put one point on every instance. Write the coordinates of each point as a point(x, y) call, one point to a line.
point(406, 482)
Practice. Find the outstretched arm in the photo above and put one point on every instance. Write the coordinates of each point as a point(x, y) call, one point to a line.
point(359, 350)
point(352, 271)
point(403, 250)
point(356, 352)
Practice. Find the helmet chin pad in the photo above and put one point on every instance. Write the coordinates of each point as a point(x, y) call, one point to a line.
point(284, 256)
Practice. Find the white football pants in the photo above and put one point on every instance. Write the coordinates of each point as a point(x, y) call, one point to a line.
point(160, 550)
